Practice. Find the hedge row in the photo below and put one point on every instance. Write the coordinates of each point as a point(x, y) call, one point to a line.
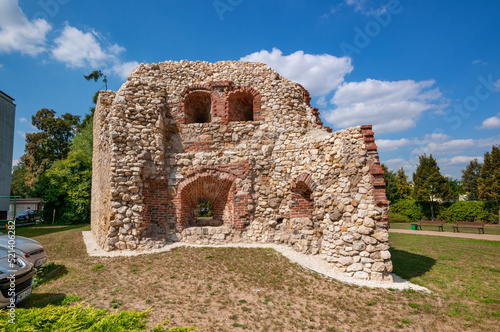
point(409, 210)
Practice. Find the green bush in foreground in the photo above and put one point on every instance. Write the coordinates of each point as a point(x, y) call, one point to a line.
point(78, 318)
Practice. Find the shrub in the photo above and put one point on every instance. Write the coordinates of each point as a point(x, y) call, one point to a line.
point(412, 210)
point(78, 318)
point(470, 211)
point(395, 218)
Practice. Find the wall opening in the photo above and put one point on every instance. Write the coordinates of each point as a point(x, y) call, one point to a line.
point(208, 195)
point(302, 201)
point(204, 214)
point(198, 107)
point(240, 106)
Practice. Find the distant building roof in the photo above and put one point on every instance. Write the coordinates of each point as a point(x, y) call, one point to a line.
point(6, 96)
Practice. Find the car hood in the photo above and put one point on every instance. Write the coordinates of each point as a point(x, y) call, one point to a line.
point(22, 268)
point(21, 242)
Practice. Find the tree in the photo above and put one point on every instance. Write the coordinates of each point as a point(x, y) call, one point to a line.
point(402, 184)
point(489, 181)
point(391, 191)
point(456, 188)
point(48, 145)
point(428, 182)
point(66, 186)
point(18, 185)
point(470, 176)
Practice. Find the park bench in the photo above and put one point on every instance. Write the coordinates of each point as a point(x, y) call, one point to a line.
point(469, 224)
point(431, 223)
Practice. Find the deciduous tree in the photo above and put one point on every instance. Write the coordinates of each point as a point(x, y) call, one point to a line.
point(51, 143)
point(489, 181)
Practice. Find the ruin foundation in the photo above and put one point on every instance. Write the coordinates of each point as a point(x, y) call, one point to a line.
point(246, 139)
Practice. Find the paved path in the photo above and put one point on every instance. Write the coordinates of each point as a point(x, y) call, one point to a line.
point(488, 237)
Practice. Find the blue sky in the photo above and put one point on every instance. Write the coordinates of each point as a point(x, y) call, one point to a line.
point(425, 73)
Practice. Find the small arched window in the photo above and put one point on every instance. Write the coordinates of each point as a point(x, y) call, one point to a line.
point(198, 107)
point(240, 106)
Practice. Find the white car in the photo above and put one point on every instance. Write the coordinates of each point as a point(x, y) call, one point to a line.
point(16, 277)
point(33, 250)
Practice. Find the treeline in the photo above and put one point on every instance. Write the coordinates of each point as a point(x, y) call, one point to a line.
point(430, 195)
point(57, 164)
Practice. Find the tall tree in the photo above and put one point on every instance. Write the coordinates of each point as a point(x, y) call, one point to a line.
point(428, 182)
point(391, 191)
point(66, 186)
point(489, 181)
point(402, 184)
point(470, 176)
point(51, 143)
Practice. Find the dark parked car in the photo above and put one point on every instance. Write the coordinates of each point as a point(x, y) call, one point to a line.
point(29, 215)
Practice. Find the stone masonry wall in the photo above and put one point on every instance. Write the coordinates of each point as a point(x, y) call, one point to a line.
point(245, 138)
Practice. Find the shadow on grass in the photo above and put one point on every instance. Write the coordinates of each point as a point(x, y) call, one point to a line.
point(42, 300)
point(44, 229)
point(408, 265)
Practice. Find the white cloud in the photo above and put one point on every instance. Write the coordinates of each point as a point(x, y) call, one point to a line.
point(388, 145)
point(23, 120)
point(319, 74)
point(124, 69)
point(15, 162)
point(78, 49)
point(491, 123)
point(21, 133)
point(456, 146)
point(409, 166)
point(497, 85)
point(479, 62)
point(116, 49)
point(1, 65)
point(321, 101)
point(388, 106)
point(448, 147)
point(17, 33)
point(464, 159)
point(362, 7)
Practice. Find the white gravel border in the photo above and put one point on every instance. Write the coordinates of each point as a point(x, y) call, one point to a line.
point(310, 262)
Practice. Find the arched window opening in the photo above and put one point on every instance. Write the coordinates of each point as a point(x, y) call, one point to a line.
point(204, 209)
point(302, 205)
point(203, 214)
point(197, 107)
point(303, 190)
point(240, 106)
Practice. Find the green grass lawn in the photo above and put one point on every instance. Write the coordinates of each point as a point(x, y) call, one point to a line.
point(488, 228)
point(464, 272)
point(227, 289)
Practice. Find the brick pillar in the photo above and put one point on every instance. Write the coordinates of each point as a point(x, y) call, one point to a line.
point(377, 174)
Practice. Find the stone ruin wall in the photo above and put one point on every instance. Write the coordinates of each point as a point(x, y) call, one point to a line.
point(274, 173)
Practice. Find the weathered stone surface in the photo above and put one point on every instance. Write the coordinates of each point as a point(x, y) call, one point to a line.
point(378, 267)
point(248, 140)
point(381, 236)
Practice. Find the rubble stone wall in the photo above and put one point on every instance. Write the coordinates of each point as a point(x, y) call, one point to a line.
point(246, 139)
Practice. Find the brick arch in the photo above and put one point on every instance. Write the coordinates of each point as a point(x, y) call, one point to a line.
point(243, 104)
point(302, 196)
point(216, 186)
point(196, 104)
